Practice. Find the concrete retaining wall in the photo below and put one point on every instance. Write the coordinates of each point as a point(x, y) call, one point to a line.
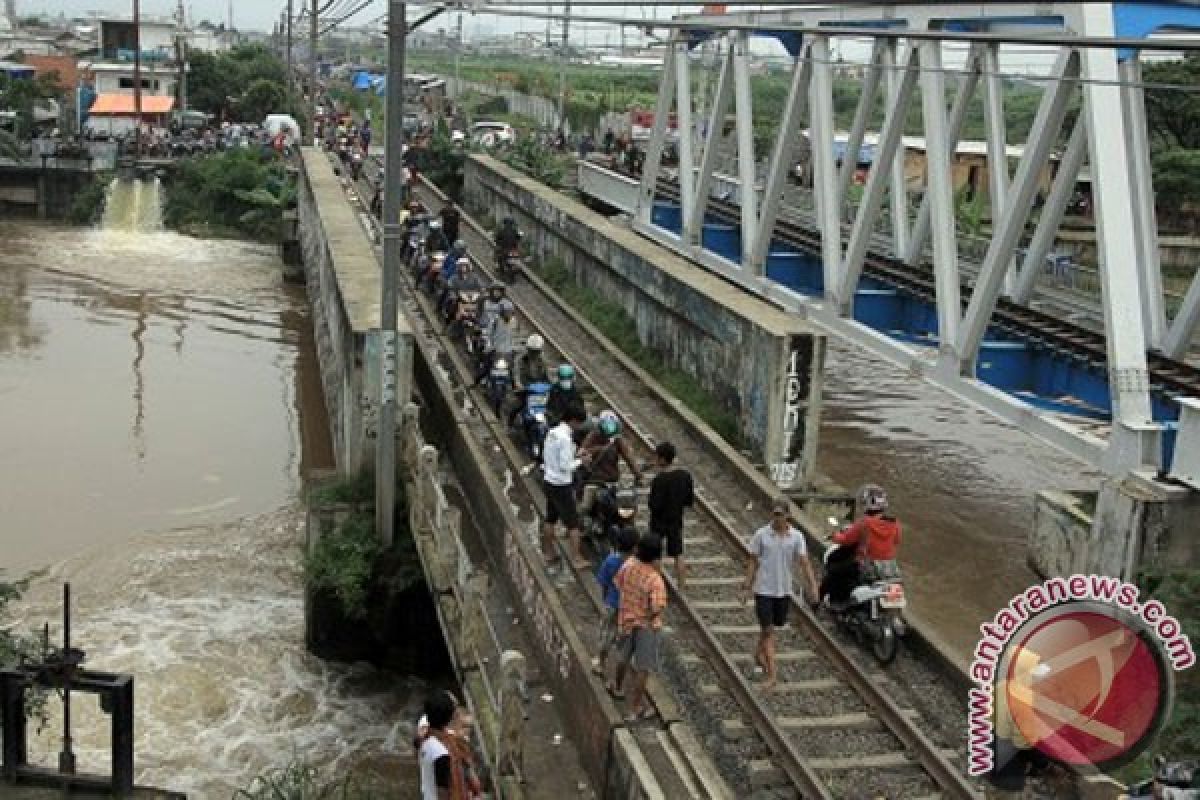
point(45, 194)
point(343, 283)
point(763, 365)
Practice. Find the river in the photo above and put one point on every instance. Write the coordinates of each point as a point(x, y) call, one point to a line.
point(159, 403)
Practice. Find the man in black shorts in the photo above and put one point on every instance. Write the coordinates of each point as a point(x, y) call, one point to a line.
point(670, 493)
point(774, 548)
point(559, 464)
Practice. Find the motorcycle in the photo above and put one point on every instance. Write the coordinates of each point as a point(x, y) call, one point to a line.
point(499, 381)
point(510, 265)
point(614, 508)
point(466, 313)
point(533, 418)
point(1173, 780)
point(869, 613)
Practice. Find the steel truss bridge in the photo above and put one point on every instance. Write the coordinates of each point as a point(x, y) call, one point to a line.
point(972, 332)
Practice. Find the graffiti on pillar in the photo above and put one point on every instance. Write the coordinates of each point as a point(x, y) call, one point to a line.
point(548, 636)
point(785, 469)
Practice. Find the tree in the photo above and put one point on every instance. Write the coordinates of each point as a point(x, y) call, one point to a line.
point(261, 98)
point(23, 95)
point(10, 148)
point(1173, 115)
point(1177, 179)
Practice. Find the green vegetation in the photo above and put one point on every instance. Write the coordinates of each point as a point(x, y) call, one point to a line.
point(445, 163)
point(343, 562)
point(13, 646)
point(621, 330)
point(240, 192)
point(88, 204)
point(22, 95)
point(1179, 592)
point(538, 161)
point(301, 781)
point(244, 85)
point(10, 146)
point(358, 492)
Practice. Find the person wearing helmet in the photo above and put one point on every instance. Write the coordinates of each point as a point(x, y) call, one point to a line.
point(501, 334)
point(876, 534)
point(464, 280)
point(607, 448)
point(564, 395)
point(449, 216)
point(508, 238)
point(436, 240)
point(493, 303)
point(531, 368)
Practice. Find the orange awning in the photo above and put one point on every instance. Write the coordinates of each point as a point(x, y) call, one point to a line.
point(122, 104)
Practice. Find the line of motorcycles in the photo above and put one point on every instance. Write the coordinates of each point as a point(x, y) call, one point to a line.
point(460, 312)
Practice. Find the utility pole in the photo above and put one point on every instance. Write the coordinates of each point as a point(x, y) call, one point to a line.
point(182, 54)
point(137, 79)
point(458, 57)
point(562, 70)
point(312, 67)
point(291, 79)
point(393, 236)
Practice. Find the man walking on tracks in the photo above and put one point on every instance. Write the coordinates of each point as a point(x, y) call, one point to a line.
point(671, 492)
point(642, 599)
point(773, 550)
point(559, 464)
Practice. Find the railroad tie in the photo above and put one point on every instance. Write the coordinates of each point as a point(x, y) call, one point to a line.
point(783, 687)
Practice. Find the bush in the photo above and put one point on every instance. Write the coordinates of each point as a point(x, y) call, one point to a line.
point(343, 563)
point(301, 781)
point(88, 204)
point(241, 192)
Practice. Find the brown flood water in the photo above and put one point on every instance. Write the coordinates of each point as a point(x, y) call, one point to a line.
point(159, 403)
point(962, 483)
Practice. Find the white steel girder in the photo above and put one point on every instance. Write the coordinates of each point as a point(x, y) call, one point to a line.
point(898, 197)
point(1053, 211)
point(958, 115)
point(654, 150)
point(1134, 441)
point(683, 97)
point(1145, 230)
point(780, 168)
point(1183, 327)
point(747, 171)
point(693, 222)
point(862, 114)
point(997, 141)
point(940, 196)
point(1007, 229)
point(825, 186)
point(877, 180)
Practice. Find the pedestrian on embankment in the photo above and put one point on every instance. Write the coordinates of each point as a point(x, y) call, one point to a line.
point(671, 492)
point(642, 602)
point(774, 548)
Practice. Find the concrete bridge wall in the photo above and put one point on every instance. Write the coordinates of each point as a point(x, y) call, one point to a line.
point(762, 364)
point(343, 284)
point(30, 191)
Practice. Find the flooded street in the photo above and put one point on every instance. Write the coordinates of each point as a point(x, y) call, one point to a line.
point(962, 483)
point(159, 403)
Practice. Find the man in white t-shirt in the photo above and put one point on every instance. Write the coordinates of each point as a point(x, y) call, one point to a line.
point(775, 547)
point(433, 756)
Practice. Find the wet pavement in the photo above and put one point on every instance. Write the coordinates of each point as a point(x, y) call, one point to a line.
point(962, 483)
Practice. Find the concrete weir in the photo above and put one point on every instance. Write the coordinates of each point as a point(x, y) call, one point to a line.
point(761, 363)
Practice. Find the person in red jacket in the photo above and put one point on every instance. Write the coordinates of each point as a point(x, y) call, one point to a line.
point(876, 534)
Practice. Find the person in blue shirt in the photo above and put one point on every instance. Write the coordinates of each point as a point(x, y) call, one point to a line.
point(626, 541)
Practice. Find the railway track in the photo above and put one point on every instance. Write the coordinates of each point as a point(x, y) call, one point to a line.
point(1168, 376)
point(833, 728)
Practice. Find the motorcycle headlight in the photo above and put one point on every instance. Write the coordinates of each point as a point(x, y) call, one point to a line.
point(540, 417)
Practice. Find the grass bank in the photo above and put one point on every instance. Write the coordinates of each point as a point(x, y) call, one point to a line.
point(621, 330)
point(240, 192)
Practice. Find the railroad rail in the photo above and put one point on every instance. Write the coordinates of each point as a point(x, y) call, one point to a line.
point(1167, 375)
point(878, 745)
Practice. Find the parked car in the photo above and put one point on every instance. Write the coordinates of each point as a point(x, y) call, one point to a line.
point(492, 133)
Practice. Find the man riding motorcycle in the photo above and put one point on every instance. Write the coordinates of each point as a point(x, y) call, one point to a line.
point(507, 239)
point(874, 538)
point(605, 449)
point(464, 280)
point(436, 240)
point(493, 303)
point(531, 368)
point(563, 395)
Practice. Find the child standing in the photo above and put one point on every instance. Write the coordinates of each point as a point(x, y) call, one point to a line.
point(626, 540)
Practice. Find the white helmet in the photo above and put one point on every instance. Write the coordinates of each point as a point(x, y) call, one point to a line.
point(874, 499)
point(534, 342)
